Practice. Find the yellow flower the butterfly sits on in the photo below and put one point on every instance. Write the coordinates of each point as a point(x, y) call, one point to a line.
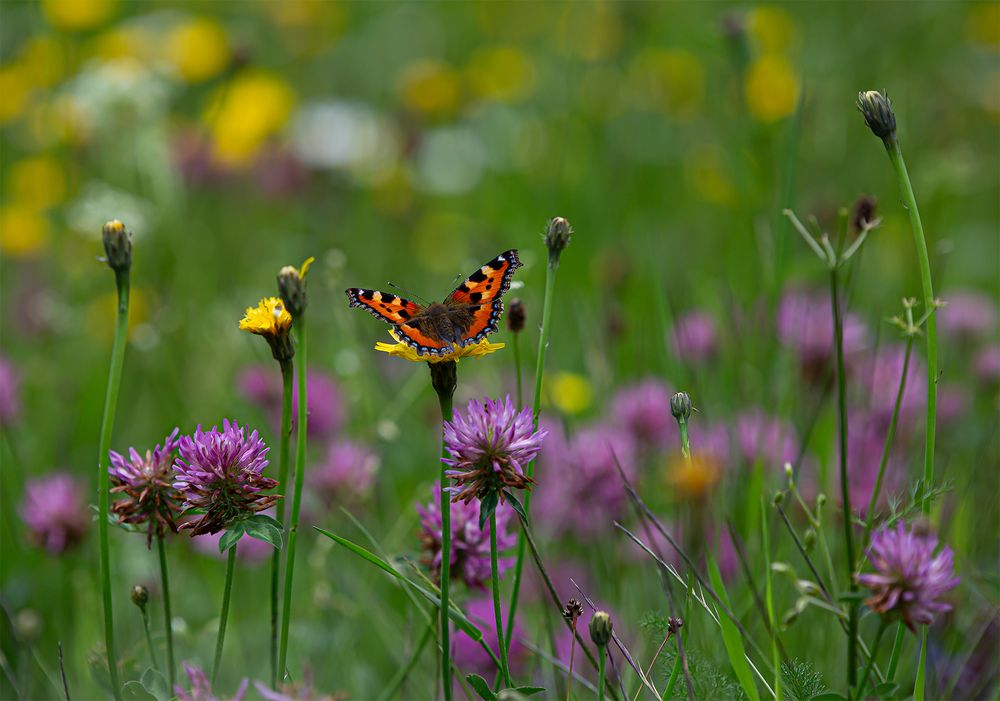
point(269, 318)
point(402, 350)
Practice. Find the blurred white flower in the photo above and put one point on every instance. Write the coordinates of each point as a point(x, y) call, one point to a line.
point(345, 135)
point(450, 161)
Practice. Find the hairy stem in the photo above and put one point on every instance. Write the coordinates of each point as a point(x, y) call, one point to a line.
point(495, 581)
point(445, 400)
point(224, 616)
point(167, 616)
point(287, 373)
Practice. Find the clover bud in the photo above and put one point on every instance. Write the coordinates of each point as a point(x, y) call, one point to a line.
point(117, 245)
point(600, 628)
point(877, 111)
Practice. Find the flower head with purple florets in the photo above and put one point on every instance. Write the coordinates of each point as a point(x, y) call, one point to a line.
point(490, 445)
point(201, 687)
point(145, 480)
point(910, 579)
point(54, 510)
point(220, 474)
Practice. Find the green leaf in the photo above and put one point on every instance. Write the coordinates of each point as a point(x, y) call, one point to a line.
point(467, 626)
point(155, 683)
point(529, 690)
point(516, 504)
point(134, 691)
point(852, 596)
point(264, 518)
point(487, 507)
point(829, 696)
point(262, 530)
point(887, 690)
point(481, 687)
point(731, 637)
point(231, 537)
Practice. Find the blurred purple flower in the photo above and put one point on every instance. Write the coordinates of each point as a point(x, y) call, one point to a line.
point(55, 511)
point(303, 690)
point(693, 337)
point(470, 546)
point(201, 687)
point(987, 364)
point(471, 656)
point(490, 446)
point(347, 474)
point(880, 382)
point(952, 403)
point(262, 386)
point(193, 159)
point(968, 314)
point(708, 440)
point(865, 443)
point(150, 498)
point(805, 325)
point(278, 173)
point(10, 387)
point(644, 409)
point(221, 472)
point(250, 550)
point(766, 438)
point(910, 579)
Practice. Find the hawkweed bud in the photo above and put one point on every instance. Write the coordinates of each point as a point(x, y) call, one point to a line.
point(117, 245)
point(680, 406)
point(292, 288)
point(139, 596)
point(877, 111)
point(557, 235)
point(600, 628)
point(863, 213)
point(515, 316)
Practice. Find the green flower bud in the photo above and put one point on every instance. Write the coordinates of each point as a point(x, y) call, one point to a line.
point(600, 628)
point(680, 406)
point(292, 288)
point(117, 245)
point(140, 596)
point(558, 232)
point(877, 111)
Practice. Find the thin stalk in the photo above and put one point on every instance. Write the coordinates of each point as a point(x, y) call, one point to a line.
point(921, 681)
point(224, 616)
point(897, 646)
point(495, 580)
point(572, 654)
point(652, 662)
point(769, 600)
point(167, 616)
point(543, 345)
point(602, 656)
point(685, 442)
point(149, 639)
point(103, 479)
point(287, 373)
point(300, 461)
point(871, 660)
point(852, 610)
point(445, 400)
point(515, 343)
point(887, 448)
point(397, 681)
point(62, 672)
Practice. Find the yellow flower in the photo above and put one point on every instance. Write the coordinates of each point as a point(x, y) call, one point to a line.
point(268, 318)
point(74, 15)
point(254, 107)
point(772, 29)
point(38, 181)
point(671, 81)
point(501, 73)
point(771, 88)
point(430, 88)
point(570, 393)
point(401, 350)
point(982, 24)
point(198, 48)
point(42, 58)
point(24, 230)
point(15, 91)
point(693, 477)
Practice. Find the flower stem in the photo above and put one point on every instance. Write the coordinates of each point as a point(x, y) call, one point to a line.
point(572, 654)
point(897, 646)
point(445, 399)
point(543, 345)
point(224, 616)
point(287, 373)
point(167, 616)
point(871, 660)
point(103, 479)
point(852, 619)
point(682, 424)
point(515, 343)
point(293, 532)
point(602, 655)
point(149, 639)
point(495, 581)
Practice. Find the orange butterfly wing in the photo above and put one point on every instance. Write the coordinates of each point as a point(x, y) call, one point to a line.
point(481, 293)
point(397, 312)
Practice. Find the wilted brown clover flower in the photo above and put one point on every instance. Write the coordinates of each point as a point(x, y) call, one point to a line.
point(145, 481)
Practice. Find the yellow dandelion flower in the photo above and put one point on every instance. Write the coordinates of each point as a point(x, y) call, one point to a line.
point(38, 181)
point(16, 88)
point(255, 106)
point(75, 15)
point(430, 88)
point(198, 49)
point(402, 350)
point(42, 58)
point(771, 88)
point(570, 393)
point(24, 230)
point(693, 477)
point(503, 73)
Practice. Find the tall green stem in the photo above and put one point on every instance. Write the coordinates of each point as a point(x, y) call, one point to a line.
point(224, 616)
point(897, 646)
point(515, 343)
point(602, 653)
point(871, 660)
point(852, 620)
point(167, 616)
point(103, 479)
point(543, 345)
point(445, 399)
point(149, 639)
point(293, 532)
point(287, 373)
point(495, 581)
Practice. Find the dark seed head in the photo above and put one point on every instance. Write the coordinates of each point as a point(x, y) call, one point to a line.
point(863, 213)
point(515, 316)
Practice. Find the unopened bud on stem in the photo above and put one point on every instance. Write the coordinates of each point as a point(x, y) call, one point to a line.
point(558, 232)
point(600, 628)
point(877, 111)
point(680, 406)
point(117, 245)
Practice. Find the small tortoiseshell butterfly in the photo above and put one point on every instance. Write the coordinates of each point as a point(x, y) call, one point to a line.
point(465, 317)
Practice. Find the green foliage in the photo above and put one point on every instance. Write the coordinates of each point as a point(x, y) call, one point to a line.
point(802, 681)
point(709, 682)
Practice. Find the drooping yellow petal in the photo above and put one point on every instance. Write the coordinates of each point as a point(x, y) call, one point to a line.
point(269, 318)
point(402, 350)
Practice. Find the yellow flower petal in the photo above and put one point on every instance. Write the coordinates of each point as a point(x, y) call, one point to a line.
point(570, 393)
point(402, 350)
point(771, 88)
point(268, 318)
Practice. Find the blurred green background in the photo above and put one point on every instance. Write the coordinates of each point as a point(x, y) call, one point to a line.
point(412, 142)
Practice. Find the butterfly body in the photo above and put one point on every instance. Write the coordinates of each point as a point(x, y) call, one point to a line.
point(466, 316)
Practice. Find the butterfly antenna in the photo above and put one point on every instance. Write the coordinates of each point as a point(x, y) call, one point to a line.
point(454, 283)
point(409, 294)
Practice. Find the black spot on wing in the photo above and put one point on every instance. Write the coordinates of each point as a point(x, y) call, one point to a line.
point(476, 296)
point(478, 276)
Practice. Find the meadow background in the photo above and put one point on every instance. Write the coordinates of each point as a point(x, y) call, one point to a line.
point(413, 142)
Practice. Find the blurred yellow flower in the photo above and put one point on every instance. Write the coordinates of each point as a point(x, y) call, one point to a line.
point(127, 41)
point(24, 230)
point(706, 170)
point(772, 29)
point(38, 182)
point(254, 107)
point(430, 88)
point(502, 73)
point(268, 318)
point(401, 350)
point(42, 60)
point(198, 49)
point(982, 24)
point(771, 88)
point(74, 15)
point(569, 392)
point(693, 477)
point(671, 81)
point(15, 92)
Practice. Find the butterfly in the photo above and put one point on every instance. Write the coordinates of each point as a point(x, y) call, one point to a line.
point(465, 317)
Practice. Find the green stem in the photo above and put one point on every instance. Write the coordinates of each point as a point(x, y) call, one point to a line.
point(769, 601)
point(685, 442)
point(887, 448)
point(167, 616)
point(515, 343)
point(287, 373)
point(852, 618)
point(602, 654)
point(224, 616)
point(897, 646)
point(920, 682)
point(293, 532)
point(495, 581)
point(871, 660)
point(572, 654)
point(149, 639)
point(103, 480)
point(397, 681)
point(543, 345)
point(445, 400)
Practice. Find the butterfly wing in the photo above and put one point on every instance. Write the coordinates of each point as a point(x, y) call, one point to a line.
point(402, 314)
point(480, 295)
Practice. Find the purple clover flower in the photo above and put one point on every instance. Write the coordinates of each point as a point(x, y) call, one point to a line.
point(470, 655)
point(470, 545)
point(303, 690)
point(347, 474)
point(881, 383)
point(55, 512)
point(987, 364)
point(262, 386)
point(201, 687)
point(694, 338)
point(10, 401)
point(766, 438)
point(644, 409)
point(910, 579)
point(221, 473)
point(490, 446)
point(146, 481)
point(805, 325)
point(968, 314)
